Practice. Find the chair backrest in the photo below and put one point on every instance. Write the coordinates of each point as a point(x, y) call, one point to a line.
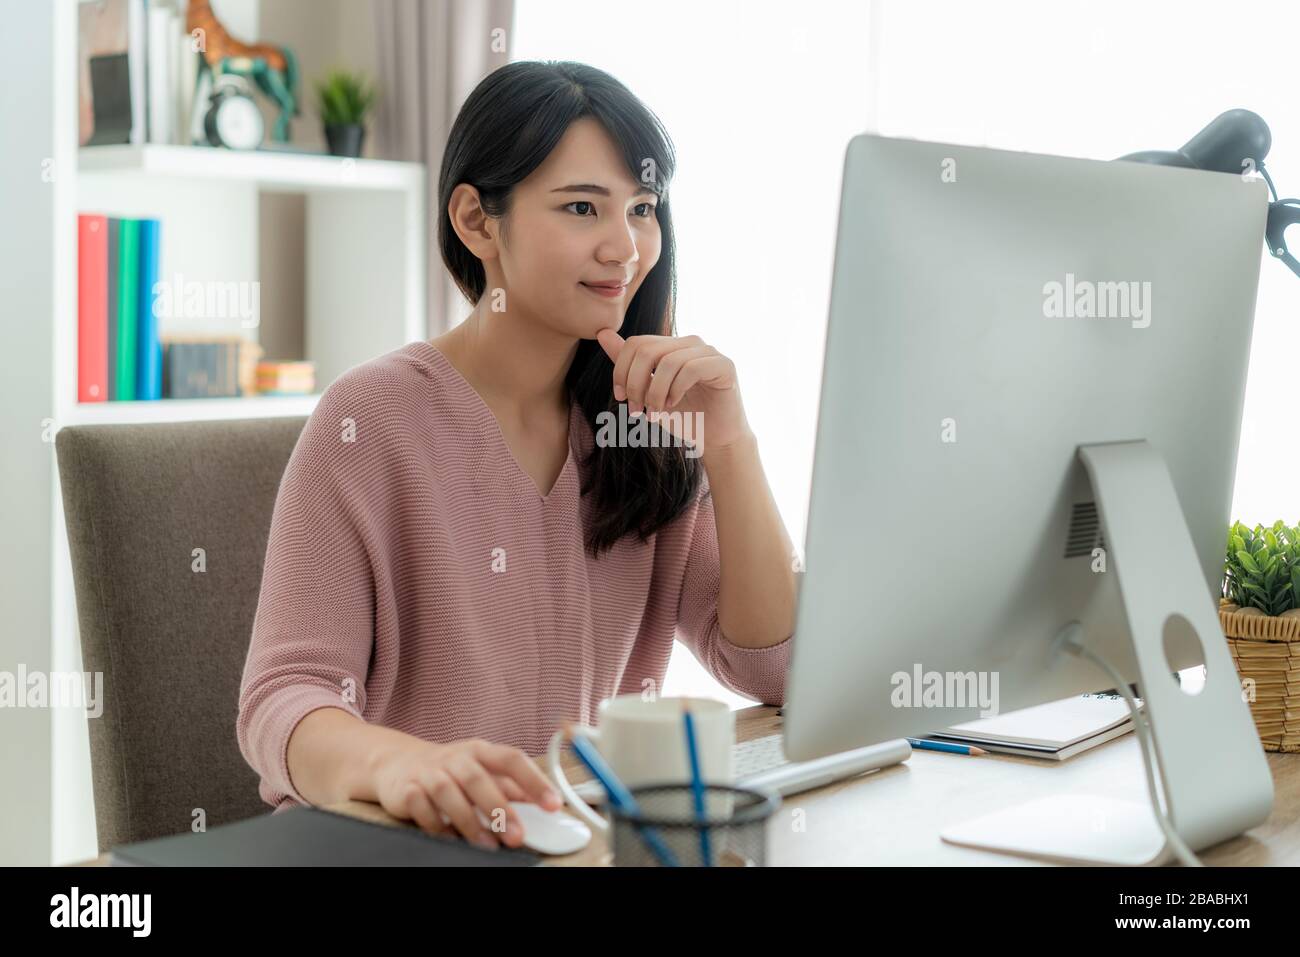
point(167, 529)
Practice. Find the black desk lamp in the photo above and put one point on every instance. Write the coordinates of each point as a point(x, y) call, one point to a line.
point(1235, 142)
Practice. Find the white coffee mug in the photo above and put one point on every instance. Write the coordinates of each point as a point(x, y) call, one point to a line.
point(644, 742)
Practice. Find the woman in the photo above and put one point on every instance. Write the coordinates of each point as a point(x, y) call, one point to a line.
point(456, 564)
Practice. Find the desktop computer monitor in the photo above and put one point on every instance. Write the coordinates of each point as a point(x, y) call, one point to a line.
point(1030, 410)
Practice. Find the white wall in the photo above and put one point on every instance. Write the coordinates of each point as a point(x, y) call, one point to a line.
point(36, 153)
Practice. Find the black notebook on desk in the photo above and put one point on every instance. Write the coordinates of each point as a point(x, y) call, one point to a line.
point(311, 837)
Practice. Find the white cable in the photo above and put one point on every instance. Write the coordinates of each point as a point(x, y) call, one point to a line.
point(1180, 848)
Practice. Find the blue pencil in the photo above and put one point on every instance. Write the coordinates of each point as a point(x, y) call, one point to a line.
point(927, 745)
point(697, 784)
point(620, 796)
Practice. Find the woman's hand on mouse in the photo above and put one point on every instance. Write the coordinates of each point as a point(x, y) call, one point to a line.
point(663, 374)
point(440, 787)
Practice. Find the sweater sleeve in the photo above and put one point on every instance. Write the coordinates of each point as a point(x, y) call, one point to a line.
point(314, 627)
point(757, 673)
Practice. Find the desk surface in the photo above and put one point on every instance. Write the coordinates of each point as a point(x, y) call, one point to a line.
point(893, 816)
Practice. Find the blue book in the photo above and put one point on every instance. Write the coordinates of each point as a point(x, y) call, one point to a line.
point(148, 365)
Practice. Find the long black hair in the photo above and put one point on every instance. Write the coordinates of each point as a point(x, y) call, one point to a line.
point(507, 127)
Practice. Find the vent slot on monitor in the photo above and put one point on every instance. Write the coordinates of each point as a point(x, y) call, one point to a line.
point(1085, 531)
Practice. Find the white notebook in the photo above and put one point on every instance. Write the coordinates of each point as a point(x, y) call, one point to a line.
point(1057, 730)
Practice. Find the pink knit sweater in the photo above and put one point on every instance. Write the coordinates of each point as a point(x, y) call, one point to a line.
point(416, 578)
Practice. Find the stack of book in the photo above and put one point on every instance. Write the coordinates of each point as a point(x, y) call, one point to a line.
point(208, 367)
point(119, 356)
point(286, 377)
point(1056, 730)
point(137, 72)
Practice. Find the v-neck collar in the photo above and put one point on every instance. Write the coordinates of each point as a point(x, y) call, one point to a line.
point(462, 385)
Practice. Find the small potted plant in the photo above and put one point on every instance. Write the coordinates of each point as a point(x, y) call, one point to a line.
point(1260, 615)
point(343, 100)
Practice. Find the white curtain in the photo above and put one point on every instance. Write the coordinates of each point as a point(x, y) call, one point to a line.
point(431, 54)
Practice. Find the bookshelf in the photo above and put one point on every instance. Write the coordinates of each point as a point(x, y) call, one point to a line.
point(190, 410)
point(360, 277)
point(358, 228)
point(267, 169)
point(358, 266)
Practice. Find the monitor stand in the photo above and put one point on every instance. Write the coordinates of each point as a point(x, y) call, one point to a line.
point(1211, 772)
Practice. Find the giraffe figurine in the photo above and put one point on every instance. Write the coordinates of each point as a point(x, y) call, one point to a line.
point(272, 68)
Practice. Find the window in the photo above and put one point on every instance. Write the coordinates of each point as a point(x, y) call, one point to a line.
point(1101, 79)
point(760, 101)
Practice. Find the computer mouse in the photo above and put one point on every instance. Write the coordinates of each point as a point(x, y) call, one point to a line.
point(549, 832)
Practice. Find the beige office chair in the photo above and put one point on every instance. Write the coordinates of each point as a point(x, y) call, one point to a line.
point(170, 640)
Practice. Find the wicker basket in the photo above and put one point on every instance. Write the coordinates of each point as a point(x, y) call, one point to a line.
point(1266, 650)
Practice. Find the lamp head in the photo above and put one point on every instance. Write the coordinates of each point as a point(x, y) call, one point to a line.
point(1235, 141)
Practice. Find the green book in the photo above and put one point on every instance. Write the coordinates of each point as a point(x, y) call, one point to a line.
point(128, 267)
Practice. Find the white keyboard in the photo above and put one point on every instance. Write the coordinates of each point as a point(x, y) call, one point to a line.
point(758, 754)
point(761, 763)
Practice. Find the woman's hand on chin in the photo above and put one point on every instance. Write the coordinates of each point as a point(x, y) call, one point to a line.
point(667, 374)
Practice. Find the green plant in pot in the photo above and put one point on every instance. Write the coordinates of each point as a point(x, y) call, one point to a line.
point(1262, 569)
point(1260, 614)
point(344, 99)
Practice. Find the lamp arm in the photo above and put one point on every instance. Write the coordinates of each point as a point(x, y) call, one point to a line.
point(1281, 214)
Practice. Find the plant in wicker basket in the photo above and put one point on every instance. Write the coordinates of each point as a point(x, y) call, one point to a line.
point(1260, 615)
point(1263, 568)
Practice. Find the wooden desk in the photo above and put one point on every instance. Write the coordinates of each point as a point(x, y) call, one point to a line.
point(893, 816)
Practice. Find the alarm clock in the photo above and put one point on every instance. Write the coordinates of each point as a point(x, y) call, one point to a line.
point(233, 119)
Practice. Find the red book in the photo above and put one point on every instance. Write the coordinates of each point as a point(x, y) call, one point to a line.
point(92, 308)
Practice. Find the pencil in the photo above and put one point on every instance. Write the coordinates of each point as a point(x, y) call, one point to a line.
point(927, 745)
point(697, 784)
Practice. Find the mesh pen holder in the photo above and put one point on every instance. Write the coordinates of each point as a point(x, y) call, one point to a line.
point(666, 833)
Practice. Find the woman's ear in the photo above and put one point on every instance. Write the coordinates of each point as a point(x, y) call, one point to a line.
point(471, 223)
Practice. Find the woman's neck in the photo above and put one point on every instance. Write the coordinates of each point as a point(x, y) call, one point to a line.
point(517, 362)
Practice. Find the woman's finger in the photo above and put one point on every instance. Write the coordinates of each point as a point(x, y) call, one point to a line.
point(510, 789)
point(627, 355)
point(666, 372)
point(423, 813)
point(715, 370)
point(481, 788)
point(638, 377)
point(504, 760)
point(451, 801)
point(623, 363)
point(644, 362)
point(611, 342)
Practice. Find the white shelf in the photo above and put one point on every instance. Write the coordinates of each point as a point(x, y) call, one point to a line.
point(281, 172)
point(189, 410)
